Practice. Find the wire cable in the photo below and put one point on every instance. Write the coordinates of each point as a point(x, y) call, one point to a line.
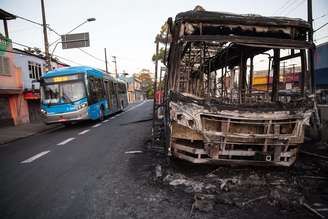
point(23, 45)
point(29, 20)
point(285, 6)
point(52, 30)
point(85, 52)
point(297, 6)
point(322, 16)
point(322, 26)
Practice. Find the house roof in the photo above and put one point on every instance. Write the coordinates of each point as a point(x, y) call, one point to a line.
point(5, 15)
point(38, 56)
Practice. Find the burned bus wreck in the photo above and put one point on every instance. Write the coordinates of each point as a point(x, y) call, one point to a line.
point(213, 111)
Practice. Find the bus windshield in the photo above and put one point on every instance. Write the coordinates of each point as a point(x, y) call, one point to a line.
point(63, 92)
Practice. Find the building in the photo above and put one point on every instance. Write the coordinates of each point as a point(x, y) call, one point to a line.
point(289, 79)
point(13, 107)
point(135, 92)
point(321, 66)
point(32, 65)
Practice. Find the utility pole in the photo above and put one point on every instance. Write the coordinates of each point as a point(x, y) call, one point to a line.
point(311, 50)
point(114, 57)
point(155, 88)
point(106, 60)
point(45, 36)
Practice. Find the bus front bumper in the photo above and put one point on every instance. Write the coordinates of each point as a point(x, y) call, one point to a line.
point(78, 115)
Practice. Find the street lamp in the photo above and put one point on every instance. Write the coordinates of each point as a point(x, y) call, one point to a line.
point(56, 41)
point(84, 22)
point(91, 19)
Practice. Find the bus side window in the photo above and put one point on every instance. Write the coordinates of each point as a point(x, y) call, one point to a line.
point(92, 90)
point(101, 91)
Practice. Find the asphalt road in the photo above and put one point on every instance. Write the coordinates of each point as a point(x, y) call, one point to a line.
point(82, 171)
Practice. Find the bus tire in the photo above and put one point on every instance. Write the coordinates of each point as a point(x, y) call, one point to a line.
point(67, 124)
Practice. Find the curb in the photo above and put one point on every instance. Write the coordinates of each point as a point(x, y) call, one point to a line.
point(2, 144)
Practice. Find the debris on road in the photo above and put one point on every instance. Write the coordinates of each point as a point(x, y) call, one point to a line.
point(203, 202)
point(158, 171)
point(313, 210)
point(245, 188)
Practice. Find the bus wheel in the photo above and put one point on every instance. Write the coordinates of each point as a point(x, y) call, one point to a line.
point(101, 114)
point(67, 124)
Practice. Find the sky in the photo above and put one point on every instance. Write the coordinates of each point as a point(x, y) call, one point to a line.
point(128, 28)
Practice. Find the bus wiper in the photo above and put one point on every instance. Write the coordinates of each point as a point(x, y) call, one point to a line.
point(67, 98)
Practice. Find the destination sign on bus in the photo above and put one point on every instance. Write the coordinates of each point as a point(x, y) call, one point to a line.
point(63, 78)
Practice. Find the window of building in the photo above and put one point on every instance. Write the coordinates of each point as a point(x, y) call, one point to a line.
point(34, 69)
point(4, 65)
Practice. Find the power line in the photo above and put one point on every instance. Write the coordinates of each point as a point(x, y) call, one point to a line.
point(298, 5)
point(322, 26)
point(29, 20)
point(283, 6)
point(69, 60)
point(20, 44)
point(99, 59)
point(288, 6)
point(85, 52)
point(51, 29)
point(322, 16)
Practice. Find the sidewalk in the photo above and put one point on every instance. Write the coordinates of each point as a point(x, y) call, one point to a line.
point(12, 133)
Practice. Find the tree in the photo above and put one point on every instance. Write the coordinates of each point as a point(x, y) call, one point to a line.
point(160, 55)
point(146, 82)
point(163, 39)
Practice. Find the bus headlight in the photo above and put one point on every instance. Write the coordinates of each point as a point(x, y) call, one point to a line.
point(81, 106)
point(43, 111)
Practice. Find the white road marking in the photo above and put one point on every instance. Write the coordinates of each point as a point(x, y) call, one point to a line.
point(113, 117)
point(31, 159)
point(135, 106)
point(83, 132)
point(133, 152)
point(105, 120)
point(97, 125)
point(66, 141)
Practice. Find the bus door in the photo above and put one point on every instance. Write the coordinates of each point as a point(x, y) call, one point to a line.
point(113, 96)
point(116, 95)
point(108, 94)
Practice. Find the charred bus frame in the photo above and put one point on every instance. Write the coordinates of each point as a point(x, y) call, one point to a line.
point(212, 111)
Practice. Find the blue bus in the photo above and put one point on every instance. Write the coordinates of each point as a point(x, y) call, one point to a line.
point(80, 93)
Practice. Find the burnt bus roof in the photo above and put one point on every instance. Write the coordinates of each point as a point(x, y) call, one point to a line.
point(240, 19)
